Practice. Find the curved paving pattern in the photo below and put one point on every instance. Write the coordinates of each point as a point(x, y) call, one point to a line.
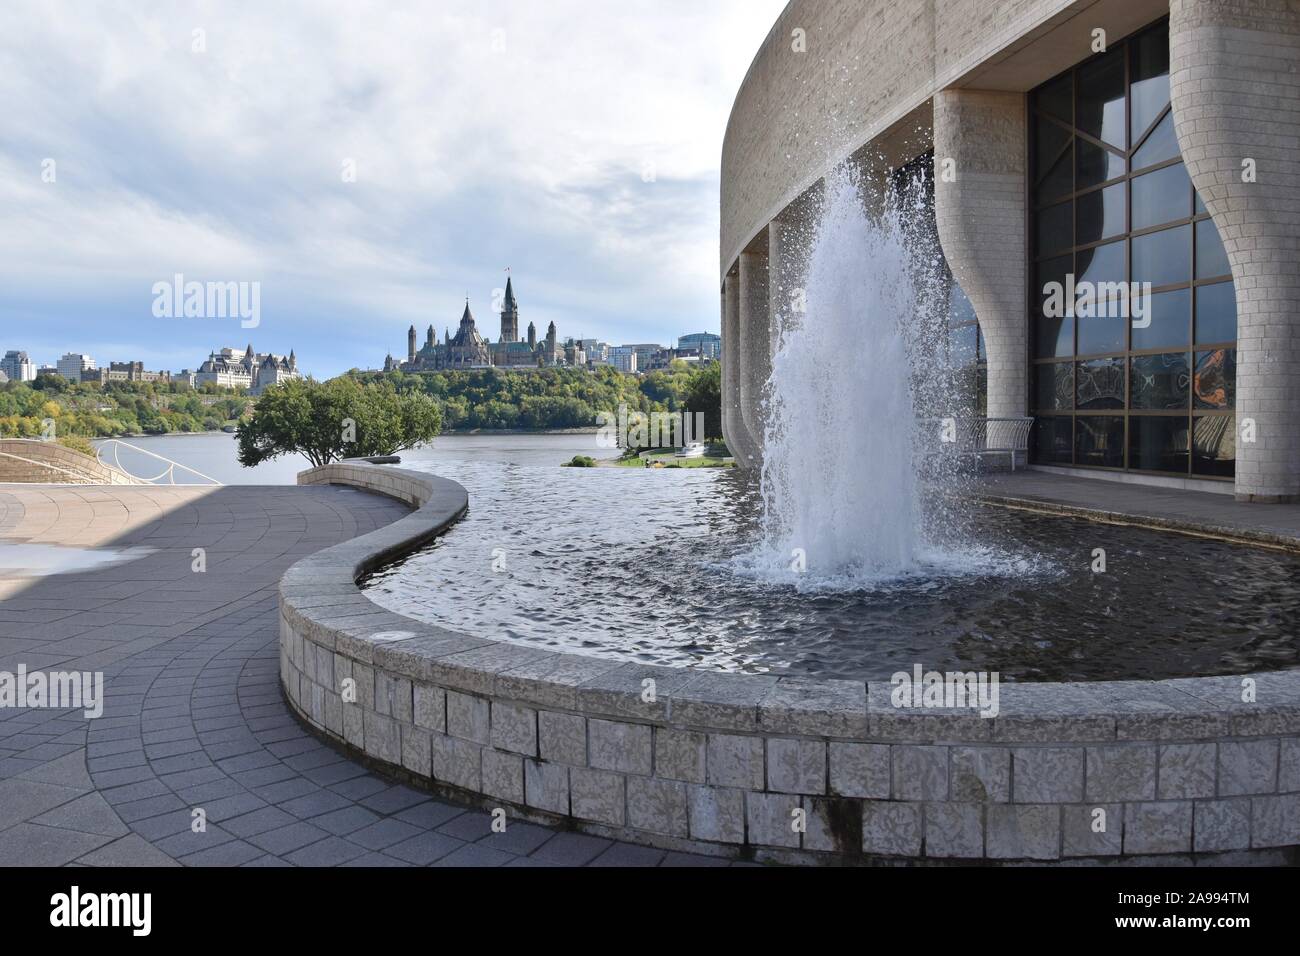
point(194, 716)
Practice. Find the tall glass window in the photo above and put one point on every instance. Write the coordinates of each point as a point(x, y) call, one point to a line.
point(1112, 204)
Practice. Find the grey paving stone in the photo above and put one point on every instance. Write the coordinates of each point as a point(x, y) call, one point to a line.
point(570, 849)
point(424, 848)
point(130, 850)
point(288, 838)
point(331, 851)
point(476, 854)
point(28, 844)
point(383, 833)
point(89, 814)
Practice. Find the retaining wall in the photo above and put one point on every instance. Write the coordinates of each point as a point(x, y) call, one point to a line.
point(781, 768)
point(46, 462)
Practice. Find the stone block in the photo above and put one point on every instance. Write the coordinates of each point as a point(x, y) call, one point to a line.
point(1092, 830)
point(546, 786)
point(979, 774)
point(457, 762)
point(514, 728)
point(416, 750)
point(382, 738)
point(657, 805)
point(1024, 832)
point(1247, 767)
point(1187, 771)
point(430, 707)
point(679, 754)
point(796, 766)
point(954, 830)
point(468, 717)
point(1288, 776)
point(503, 775)
point(562, 738)
point(920, 773)
point(859, 770)
point(353, 726)
point(1221, 825)
point(891, 829)
point(1164, 827)
point(597, 795)
point(622, 747)
point(770, 818)
point(735, 761)
point(1047, 774)
point(1120, 773)
point(716, 814)
point(834, 825)
point(1275, 820)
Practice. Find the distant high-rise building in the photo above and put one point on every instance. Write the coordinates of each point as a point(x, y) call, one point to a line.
point(73, 365)
point(17, 366)
point(623, 358)
point(707, 344)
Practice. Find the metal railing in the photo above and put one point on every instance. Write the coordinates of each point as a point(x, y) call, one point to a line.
point(168, 473)
point(982, 436)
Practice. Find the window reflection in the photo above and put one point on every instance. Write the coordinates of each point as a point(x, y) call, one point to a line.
point(1159, 395)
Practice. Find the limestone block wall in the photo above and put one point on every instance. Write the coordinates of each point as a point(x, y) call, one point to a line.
point(42, 462)
point(779, 768)
point(1235, 89)
point(980, 213)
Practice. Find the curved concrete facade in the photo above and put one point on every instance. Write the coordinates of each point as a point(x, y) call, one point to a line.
point(1235, 89)
point(779, 768)
point(879, 83)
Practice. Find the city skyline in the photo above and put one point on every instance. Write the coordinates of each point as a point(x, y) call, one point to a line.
point(372, 196)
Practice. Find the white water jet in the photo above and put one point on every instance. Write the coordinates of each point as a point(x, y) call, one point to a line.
point(839, 479)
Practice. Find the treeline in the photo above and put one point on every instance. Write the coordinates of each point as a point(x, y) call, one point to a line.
point(117, 408)
point(498, 398)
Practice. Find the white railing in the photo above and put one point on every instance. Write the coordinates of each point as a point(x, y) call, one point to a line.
point(165, 477)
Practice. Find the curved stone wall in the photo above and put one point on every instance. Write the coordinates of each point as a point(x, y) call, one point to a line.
point(46, 462)
point(774, 767)
point(1235, 91)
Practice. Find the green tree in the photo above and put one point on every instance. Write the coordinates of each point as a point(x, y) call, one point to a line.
point(326, 421)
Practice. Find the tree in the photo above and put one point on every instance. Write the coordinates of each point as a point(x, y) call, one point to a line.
point(326, 421)
point(704, 394)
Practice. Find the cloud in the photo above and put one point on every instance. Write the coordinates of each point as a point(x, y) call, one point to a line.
point(575, 142)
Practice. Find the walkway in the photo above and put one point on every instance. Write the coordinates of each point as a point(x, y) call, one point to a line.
point(1166, 507)
point(194, 718)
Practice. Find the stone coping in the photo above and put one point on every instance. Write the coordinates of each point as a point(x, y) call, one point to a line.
point(725, 762)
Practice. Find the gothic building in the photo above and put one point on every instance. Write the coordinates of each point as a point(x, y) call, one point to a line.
point(468, 349)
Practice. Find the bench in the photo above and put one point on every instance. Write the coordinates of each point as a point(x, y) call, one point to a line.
point(985, 436)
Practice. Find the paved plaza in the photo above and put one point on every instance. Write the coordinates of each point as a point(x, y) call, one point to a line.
point(194, 716)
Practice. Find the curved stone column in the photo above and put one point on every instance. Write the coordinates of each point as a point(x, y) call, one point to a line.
point(733, 425)
point(981, 222)
point(1235, 89)
point(755, 347)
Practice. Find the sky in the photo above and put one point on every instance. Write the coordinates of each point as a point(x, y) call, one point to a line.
point(366, 165)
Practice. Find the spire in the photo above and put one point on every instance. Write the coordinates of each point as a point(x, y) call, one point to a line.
point(510, 296)
point(467, 316)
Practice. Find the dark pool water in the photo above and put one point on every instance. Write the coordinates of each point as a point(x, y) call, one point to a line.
point(649, 566)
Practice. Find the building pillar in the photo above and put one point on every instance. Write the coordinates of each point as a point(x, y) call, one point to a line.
point(755, 349)
point(733, 425)
point(1235, 92)
point(979, 207)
